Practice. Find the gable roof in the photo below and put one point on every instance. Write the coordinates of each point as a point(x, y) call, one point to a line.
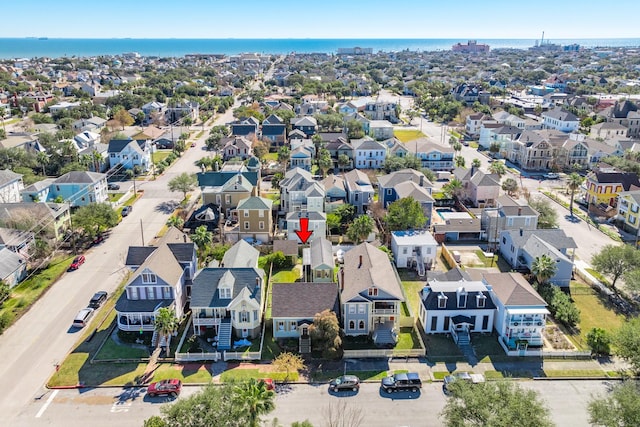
point(80, 177)
point(403, 175)
point(321, 252)
point(7, 176)
point(9, 263)
point(561, 114)
point(303, 300)
point(287, 247)
point(512, 289)
point(374, 270)
point(163, 264)
point(255, 202)
point(554, 236)
point(241, 255)
point(411, 189)
point(204, 290)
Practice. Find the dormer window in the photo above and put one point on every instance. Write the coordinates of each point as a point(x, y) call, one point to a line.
point(442, 301)
point(225, 293)
point(481, 300)
point(149, 278)
point(373, 292)
point(462, 298)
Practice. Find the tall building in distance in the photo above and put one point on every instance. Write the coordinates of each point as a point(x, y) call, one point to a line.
point(355, 51)
point(471, 46)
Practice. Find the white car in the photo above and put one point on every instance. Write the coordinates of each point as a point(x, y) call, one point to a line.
point(551, 175)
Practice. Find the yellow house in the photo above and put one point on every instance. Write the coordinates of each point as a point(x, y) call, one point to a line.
point(604, 184)
point(628, 210)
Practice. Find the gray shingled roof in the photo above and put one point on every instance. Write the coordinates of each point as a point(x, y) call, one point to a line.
point(80, 177)
point(403, 175)
point(321, 253)
point(303, 300)
point(513, 289)
point(555, 237)
point(412, 189)
point(204, 290)
point(255, 202)
point(241, 255)
point(7, 176)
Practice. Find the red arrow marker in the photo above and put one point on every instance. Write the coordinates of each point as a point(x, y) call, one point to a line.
point(304, 233)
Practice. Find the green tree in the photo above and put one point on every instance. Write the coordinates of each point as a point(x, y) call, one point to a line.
point(496, 404)
point(184, 182)
point(275, 181)
point(405, 214)
point(325, 334)
point(494, 148)
point(175, 221)
point(255, 399)
point(288, 363)
point(343, 161)
point(615, 260)
point(510, 185)
point(333, 223)
point(619, 408)
point(283, 156)
point(354, 129)
point(166, 324)
point(360, 228)
point(457, 147)
point(632, 280)
point(599, 341)
point(202, 237)
point(574, 183)
point(346, 212)
point(324, 161)
point(627, 342)
point(544, 268)
point(5, 291)
point(498, 168)
point(460, 161)
point(94, 219)
point(123, 118)
point(547, 216)
point(475, 163)
point(452, 188)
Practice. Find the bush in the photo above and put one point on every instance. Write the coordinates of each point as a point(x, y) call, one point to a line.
point(599, 341)
point(277, 259)
point(5, 320)
point(560, 305)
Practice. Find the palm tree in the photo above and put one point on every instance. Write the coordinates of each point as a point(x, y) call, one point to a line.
point(202, 237)
point(254, 397)
point(43, 159)
point(498, 168)
point(460, 161)
point(453, 187)
point(457, 147)
point(343, 161)
point(166, 324)
point(475, 163)
point(575, 181)
point(175, 221)
point(544, 268)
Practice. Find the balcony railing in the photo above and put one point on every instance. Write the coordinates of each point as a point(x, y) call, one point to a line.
point(207, 321)
point(388, 311)
point(526, 322)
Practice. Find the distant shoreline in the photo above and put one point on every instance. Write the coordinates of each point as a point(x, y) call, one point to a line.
point(30, 47)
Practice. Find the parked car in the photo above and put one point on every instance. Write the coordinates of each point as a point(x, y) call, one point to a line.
point(461, 376)
point(171, 387)
point(82, 318)
point(269, 384)
point(345, 382)
point(77, 262)
point(98, 239)
point(551, 175)
point(97, 299)
point(112, 186)
point(402, 382)
point(126, 211)
point(193, 144)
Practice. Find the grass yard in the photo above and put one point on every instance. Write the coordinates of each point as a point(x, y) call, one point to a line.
point(114, 197)
point(441, 347)
point(594, 311)
point(286, 276)
point(270, 348)
point(112, 350)
point(160, 155)
point(243, 374)
point(193, 373)
point(488, 349)
point(411, 290)
point(28, 292)
point(363, 375)
point(571, 373)
point(408, 339)
point(408, 135)
point(271, 157)
point(486, 261)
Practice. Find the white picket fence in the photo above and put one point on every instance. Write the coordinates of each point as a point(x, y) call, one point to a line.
point(375, 353)
point(192, 357)
point(242, 355)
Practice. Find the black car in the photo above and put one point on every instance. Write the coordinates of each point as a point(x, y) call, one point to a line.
point(402, 382)
point(97, 299)
point(345, 382)
point(112, 186)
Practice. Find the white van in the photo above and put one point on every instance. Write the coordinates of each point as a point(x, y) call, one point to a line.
point(83, 317)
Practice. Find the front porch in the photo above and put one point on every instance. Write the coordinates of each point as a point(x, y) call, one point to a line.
point(134, 322)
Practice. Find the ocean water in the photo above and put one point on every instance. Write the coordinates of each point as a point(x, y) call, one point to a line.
point(53, 48)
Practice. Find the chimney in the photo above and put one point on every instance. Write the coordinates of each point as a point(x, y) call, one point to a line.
point(257, 282)
point(342, 279)
point(421, 180)
point(360, 264)
point(519, 211)
point(184, 237)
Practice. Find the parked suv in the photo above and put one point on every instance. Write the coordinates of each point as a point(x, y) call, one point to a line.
point(83, 317)
point(402, 382)
point(97, 299)
point(345, 382)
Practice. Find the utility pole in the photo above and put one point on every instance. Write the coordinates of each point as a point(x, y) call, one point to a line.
point(142, 231)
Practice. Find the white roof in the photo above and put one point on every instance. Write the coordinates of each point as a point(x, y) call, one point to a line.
point(528, 311)
point(413, 238)
point(475, 286)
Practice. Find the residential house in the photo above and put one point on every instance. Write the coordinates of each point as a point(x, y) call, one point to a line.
point(183, 110)
point(236, 147)
point(17, 241)
point(509, 214)
point(496, 133)
point(368, 154)
point(11, 185)
point(470, 94)
point(381, 110)
point(300, 192)
point(226, 188)
point(338, 148)
point(13, 267)
point(628, 208)
point(596, 150)
point(300, 157)
point(92, 124)
point(154, 112)
point(294, 306)
point(240, 255)
point(129, 153)
point(560, 119)
point(80, 188)
point(274, 129)
point(56, 214)
point(459, 308)
point(604, 183)
point(317, 224)
point(321, 260)
point(86, 139)
point(245, 127)
point(474, 122)
point(521, 312)
point(255, 219)
point(573, 152)
point(306, 124)
point(453, 229)
point(229, 301)
point(421, 195)
point(160, 281)
point(359, 190)
point(624, 113)
point(387, 192)
point(433, 156)
point(608, 130)
point(411, 248)
point(380, 129)
point(335, 192)
point(480, 189)
point(370, 294)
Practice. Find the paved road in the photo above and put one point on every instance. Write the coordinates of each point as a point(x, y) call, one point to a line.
point(30, 348)
point(108, 407)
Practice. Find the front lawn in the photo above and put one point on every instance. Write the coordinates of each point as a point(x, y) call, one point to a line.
point(114, 197)
point(243, 374)
point(363, 375)
point(270, 348)
point(113, 351)
point(408, 339)
point(441, 347)
point(412, 291)
point(193, 373)
point(160, 155)
point(408, 135)
point(286, 276)
point(573, 373)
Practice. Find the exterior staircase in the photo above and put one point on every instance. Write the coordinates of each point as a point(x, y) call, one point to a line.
point(224, 334)
point(420, 263)
point(305, 344)
point(464, 344)
point(163, 341)
point(384, 336)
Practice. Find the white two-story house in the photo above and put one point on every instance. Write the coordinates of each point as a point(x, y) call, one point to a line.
point(368, 153)
point(129, 153)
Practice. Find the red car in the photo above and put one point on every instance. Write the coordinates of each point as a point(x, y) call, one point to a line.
point(268, 382)
point(169, 387)
point(77, 262)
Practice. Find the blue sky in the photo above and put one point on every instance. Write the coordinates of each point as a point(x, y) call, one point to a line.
point(560, 19)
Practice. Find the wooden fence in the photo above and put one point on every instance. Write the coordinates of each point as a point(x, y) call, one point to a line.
point(448, 257)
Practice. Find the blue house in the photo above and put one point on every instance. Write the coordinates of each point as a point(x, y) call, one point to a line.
point(245, 127)
point(387, 191)
point(274, 129)
point(80, 188)
point(308, 125)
